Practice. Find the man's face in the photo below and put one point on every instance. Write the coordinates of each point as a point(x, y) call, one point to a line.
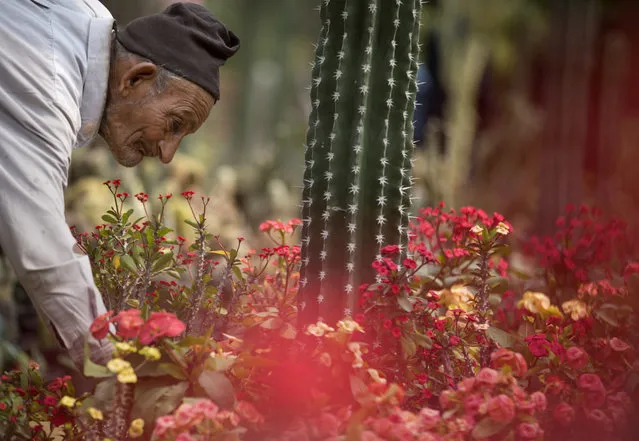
point(141, 120)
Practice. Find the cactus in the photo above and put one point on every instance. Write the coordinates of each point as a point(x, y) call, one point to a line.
point(357, 175)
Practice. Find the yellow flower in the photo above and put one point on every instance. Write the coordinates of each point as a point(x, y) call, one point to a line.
point(124, 348)
point(136, 429)
point(318, 329)
point(458, 297)
point(95, 413)
point(349, 326)
point(554, 310)
point(535, 302)
point(375, 376)
point(67, 401)
point(575, 308)
point(127, 375)
point(325, 359)
point(502, 229)
point(117, 365)
point(150, 353)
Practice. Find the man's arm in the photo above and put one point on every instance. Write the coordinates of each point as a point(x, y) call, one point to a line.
point(37, 131)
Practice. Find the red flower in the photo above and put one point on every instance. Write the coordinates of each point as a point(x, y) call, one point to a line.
point(100, 326)
point(58, 383)
point(161, 324)
point(3, 406)
point(50, 400)
point(396, 332)
point(410, 263)
point(129, 323)
point(390, 250)
point(454, 340)
point(537, 344)
point(188, 195)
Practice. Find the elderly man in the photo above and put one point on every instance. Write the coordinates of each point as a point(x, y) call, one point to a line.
point(66, 75)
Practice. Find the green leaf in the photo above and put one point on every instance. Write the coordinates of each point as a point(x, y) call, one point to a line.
point(157, 396)
point(92, 369)
point(191, 223)
point(109, 219)
point(127, 262)
point(218, 388)
point(607, 315)
point(164, 231)
point(423, 340)
point(358, 387)
point(162, 262)
point(238, 272)
point(127, 215)
point(288, 331)
point(272, 323)
point(503, 338)
point(409, 348)
point(498, 285)
point(488, 427)
point(220, 363)
point(404, 303)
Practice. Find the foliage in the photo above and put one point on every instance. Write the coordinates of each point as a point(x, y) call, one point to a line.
point(447, 343)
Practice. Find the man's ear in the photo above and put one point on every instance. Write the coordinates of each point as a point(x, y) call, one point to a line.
point(137, 75)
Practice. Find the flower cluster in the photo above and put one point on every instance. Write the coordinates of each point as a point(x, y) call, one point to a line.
point(202, 419)
point(131, 325)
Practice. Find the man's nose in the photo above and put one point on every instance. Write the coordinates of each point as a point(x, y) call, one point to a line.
point(168, 148)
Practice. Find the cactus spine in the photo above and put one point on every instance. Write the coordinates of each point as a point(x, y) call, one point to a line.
point(357, 175)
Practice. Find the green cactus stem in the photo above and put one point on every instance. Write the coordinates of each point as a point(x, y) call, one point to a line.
point(357, 176)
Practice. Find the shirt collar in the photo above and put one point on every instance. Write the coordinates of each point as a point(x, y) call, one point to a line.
point(94, 93)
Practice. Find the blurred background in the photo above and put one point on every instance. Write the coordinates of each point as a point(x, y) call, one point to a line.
point(525, 106)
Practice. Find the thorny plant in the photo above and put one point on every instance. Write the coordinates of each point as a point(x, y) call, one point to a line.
point(448, 344)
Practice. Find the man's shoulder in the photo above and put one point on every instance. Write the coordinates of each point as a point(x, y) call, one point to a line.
point(97, 9)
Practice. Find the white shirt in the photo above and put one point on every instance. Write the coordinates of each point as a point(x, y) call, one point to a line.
point(54, 66)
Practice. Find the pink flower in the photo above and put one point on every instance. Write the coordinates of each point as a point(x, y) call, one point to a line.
point(540, 400)
point(564, 414)
point(529, 431)
point(161, 324)
point(367, 435)
point(100, 326)
point(576, 357)
point(248, 412)
point(207, 408)
point(382, 426)
point(186, 416)
point(129, 323)
point(327, 425)
point(590, 382)
point(487, 376)
point(597, 415)
point(163, 425)
point(501, 408)
point(429, 418)
point(472, 403)
point(446, 399)
point(618, 345)
point(514, 360)
point(225, 415)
